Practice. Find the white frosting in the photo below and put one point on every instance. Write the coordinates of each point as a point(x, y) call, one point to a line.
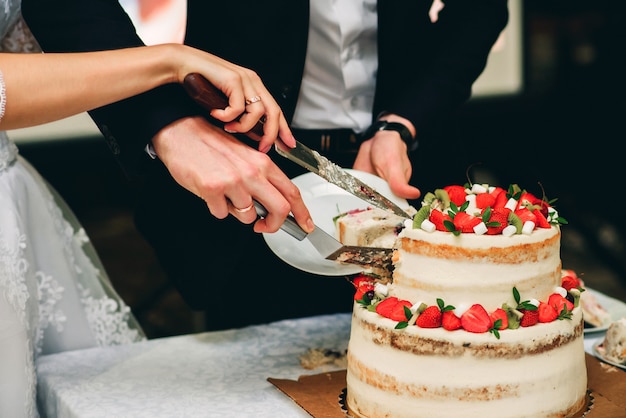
point(468, 280)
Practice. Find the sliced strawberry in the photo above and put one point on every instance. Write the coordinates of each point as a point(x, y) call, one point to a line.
point(360, 278)
point(398, 313)
point(456, 193)
point(542, 222)
point(500, 314)
point(569, 272)
point(498, 220)
point(526, 215)
point(558, 302)
point(532, 202)
point(385, 306)
point(569, 282)
point(363, 289)
point(530, 318)
point(528, 199)
point(546, 312)
point(476, 319)
point(501, 199)
point(437, 217)
point(363, 284)
point(450, 321)
point(465, 222)
point(485, 199)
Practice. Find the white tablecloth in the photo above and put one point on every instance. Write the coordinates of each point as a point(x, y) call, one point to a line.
point(217, 374)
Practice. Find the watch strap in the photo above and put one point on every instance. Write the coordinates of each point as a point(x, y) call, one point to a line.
point(383, 125)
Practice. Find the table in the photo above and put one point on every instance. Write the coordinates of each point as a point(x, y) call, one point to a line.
point(215, 374)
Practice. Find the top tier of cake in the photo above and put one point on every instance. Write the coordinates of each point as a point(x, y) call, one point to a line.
point(470, 245)
point(467, 269)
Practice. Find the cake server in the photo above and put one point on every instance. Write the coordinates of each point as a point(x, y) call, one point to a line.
point(331, 249)
point(207, 95)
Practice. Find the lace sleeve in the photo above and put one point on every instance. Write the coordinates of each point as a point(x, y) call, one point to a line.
point(18, 39)
point(3, 96)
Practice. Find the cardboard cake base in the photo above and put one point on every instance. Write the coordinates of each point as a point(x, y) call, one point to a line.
point(321, 394)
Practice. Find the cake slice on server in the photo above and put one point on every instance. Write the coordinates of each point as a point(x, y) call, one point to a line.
point(370, 227)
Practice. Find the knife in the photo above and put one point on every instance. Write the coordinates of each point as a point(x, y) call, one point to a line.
point(207, 95)
point(378, 259)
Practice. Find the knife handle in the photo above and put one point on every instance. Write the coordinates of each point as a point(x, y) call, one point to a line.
point(210, 97)
point(290, 225)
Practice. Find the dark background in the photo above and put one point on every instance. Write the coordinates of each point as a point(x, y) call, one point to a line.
point(561, 135)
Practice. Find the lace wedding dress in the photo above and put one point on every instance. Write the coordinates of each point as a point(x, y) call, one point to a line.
point(54, 292)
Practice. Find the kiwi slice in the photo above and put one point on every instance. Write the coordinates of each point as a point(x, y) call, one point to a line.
point(421, 216)
point(444, 197)
point(512, 315)
point(429, 198)
point(516, 222)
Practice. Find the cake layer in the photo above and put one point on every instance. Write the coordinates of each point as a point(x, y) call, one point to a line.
point(469, 268)
point(371, 227)
point(414, 372)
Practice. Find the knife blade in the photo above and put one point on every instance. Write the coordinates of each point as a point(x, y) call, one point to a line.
point(379, 259)
point(207, 95)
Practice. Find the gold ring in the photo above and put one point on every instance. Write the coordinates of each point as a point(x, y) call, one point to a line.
point(246, 209)
point(253, 100)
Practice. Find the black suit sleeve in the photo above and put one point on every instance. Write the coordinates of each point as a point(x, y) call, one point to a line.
point(88, 25)
point(426, 69)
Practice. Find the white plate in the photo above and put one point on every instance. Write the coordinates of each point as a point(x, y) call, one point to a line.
point(616, 308)
point(325, 201)
point(599, 353)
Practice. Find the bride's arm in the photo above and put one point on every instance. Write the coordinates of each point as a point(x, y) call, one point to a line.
point(41, 88)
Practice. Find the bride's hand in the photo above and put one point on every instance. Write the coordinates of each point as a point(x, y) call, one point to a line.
point(249, 101)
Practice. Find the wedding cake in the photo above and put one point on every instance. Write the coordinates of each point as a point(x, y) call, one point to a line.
point(475, 320)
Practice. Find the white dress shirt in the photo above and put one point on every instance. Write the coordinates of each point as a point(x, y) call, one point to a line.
point(340, 69)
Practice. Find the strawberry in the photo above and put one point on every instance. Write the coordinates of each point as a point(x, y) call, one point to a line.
point(437, 217)
point(569, 282)
point(542, 222)
point(558, 302)
point(456, 193)
point(526, 215)
point(430, 318)
point(384, 307)
point(393, 308)
point(500, 314)
point(485, 199)
point(465, 222)
point(528, 199)
point(533, 203)
point(566, 272)
point(360, 278)
point(476, 319)
point(450, 321)
point(398, 313)
point(501, 199)
point(362, 289)
point(530, 318)
point(498, 220)
point(546, 312)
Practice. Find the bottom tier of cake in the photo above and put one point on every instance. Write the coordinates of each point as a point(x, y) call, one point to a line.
point(537, 371)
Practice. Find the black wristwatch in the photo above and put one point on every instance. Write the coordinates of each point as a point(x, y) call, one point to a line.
point(383, 125)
